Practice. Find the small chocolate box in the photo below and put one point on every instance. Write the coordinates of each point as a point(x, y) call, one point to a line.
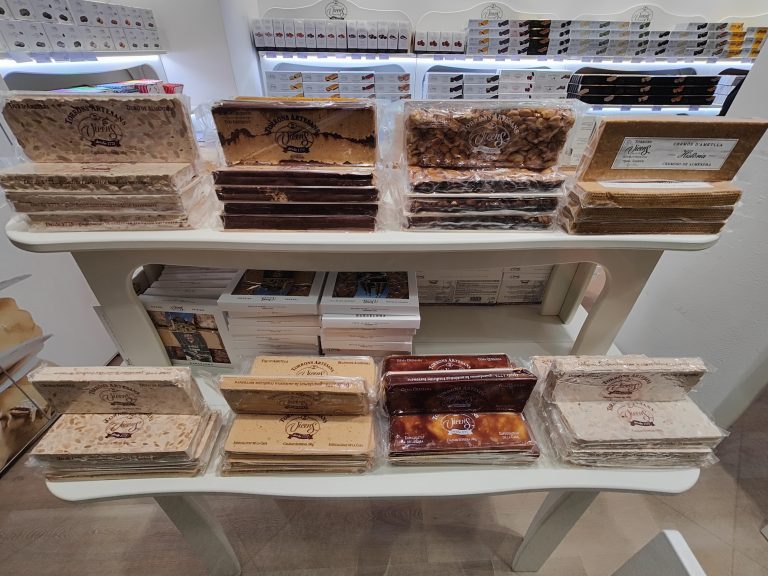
point(434, 392)
point(273, 131)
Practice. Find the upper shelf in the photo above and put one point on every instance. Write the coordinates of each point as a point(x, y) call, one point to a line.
point(522, 59)
point(340, 242)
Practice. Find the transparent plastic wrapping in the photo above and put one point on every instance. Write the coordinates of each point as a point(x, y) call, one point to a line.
point(654, 227)
point(575, 212)
point(482, 180)
point(277, 131)
point(261, 444)
point(599, 378)
point(129, 467)
point(330, 395)
point(447, 391)
point(181, 201)
point(648, 195)
point(97, 179)
point(675, 148)
point(623, 411)
point(477, 134)
point(501, 220)
point(202, 215)
point(501, 438)
point(119, 389)
point(101, 128)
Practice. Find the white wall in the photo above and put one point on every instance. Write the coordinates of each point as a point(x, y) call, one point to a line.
point(198, 54)
point(714, 304)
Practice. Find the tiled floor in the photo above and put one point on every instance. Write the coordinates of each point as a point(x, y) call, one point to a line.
point(720, 518)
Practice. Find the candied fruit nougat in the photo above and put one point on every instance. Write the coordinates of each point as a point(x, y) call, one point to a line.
point(16, 325)
point(273, 131)
point(669, 149)
point(455, 390)
point(630, 195)
point(123, 128)
point(592, 378)
point(456, 432)
point(413, 363)
point(467, 136)
point(119, 389)
point(296, 395)
point(300, 435)
point(98, 179)
point(179, 202)
point(489, 180)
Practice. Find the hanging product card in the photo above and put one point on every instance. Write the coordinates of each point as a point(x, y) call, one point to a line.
point(148, 17)
point(126, 16)
point(100, 13)
point(673, 153)
point(35, 34)
point(5, 11)
point(113, 17)
point(136, 17)
point(135, 39)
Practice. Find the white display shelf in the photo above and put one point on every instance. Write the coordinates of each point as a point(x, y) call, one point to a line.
point(341, 242)
point(86, 56)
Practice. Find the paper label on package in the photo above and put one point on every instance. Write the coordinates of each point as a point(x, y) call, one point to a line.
point(673, 153)
point(655, 185)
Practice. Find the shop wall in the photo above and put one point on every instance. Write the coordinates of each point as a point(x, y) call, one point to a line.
point(713, 303)
point(198, 54)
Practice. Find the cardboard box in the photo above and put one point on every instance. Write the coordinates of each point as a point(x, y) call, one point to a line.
point(433, 41)
point(300, 34)
point(479, 286)
point(281, 76)
point(278, 30)
point(392, 293)
point(447, 79)
point(330, 36)
point(404, 37)
point(289, 31)
point(64, 37)
point(22, 9)
point(420, 41)
point(273, 293)
point(321, 33)
point(310, 35)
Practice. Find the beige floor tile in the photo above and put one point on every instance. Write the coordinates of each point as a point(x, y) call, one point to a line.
point(743, 566)
point(750, 518)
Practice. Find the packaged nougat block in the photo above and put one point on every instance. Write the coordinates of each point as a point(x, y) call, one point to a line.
point(669, 149)
point(130, 178)
point(601, 378)
point(655, 194)
point(119, 389)
point(492, 134)
point(74, 128)
point(101, 438)
point(303, 385)
point(274, 131)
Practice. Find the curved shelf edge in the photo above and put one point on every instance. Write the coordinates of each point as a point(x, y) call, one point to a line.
point(341, 242)
point(392, 482)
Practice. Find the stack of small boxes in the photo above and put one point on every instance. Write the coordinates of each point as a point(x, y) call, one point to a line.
point(334, 35)
point(666, 176)
point(273, 312)
point(373, 313)
point(182, 305)
point(338, 84)
point(497, 85)
point(629, 89)
point(106, 162)
point(707, 39)
point(599, 38)
point(301, 414)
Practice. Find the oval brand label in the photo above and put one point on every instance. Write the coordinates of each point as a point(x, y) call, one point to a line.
point(302, 427)
point(293, 134)
point(118, 398)
point(459, 424)
point(335, 10)
point(489, 141)
point(100, 130)
point(492, 12)
point(636, 413)
point(123, 426)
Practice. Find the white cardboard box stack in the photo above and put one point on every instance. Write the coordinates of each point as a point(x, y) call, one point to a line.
point(273, 312)
point(369, 313)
